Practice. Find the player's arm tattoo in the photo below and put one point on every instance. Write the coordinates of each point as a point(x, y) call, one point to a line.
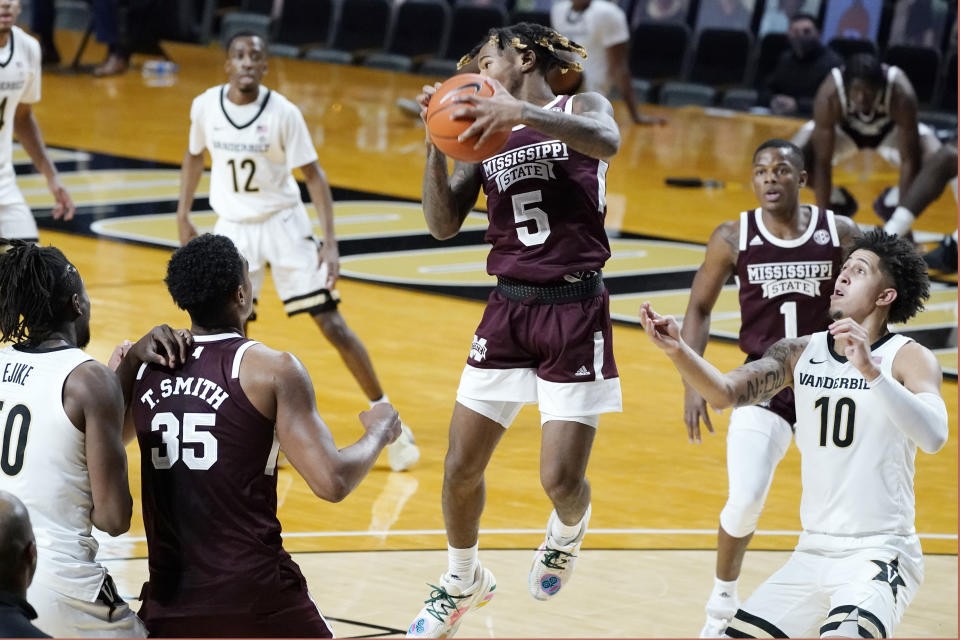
point(448, 199)
point(590, 129)
point(762, 379)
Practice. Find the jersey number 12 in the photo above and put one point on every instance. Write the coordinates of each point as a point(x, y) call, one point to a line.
point(247, 164)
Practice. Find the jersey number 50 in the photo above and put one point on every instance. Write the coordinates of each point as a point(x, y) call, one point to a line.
point(198, 449)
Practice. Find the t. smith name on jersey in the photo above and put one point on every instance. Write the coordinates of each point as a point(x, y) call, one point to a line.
point(779, 278)
point(530, 161)
point(199, 387)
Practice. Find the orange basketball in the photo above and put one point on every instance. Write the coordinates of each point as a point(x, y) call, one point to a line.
point(444, 129)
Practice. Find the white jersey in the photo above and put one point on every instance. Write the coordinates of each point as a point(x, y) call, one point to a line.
point(867, 130)
point(597, 28)
point(43, 462)
point(856, 465)
point(19, 83)
point(253, 149)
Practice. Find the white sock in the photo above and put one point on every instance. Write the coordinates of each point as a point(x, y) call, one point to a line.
point(723, 602)
point(462, 565)
point(382, 398)
point(892, 197)
point(954, 236)
point(900, 222)
point(564, 534)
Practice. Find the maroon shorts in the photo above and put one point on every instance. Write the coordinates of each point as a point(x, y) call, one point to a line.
point(568, 342)
point(301, 619)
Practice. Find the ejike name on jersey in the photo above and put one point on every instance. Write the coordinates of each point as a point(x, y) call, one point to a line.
point(781, 278)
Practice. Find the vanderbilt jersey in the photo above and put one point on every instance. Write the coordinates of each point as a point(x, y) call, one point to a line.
point(19, 82)
point(253, 149)
point(867, 131)
point(43, 462)
point(856, 465)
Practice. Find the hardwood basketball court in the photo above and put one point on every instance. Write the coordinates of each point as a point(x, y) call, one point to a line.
point(647, 566)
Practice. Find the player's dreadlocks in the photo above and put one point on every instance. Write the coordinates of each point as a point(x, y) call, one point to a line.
point(36, 285)
point(527, 36)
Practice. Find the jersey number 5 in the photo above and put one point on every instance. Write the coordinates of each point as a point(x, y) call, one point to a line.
point(197, 448)
point(12, 464)
point(522, 212)
point(250, 166)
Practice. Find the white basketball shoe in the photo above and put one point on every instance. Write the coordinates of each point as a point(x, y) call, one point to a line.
point(553, 562)
point(444, 609)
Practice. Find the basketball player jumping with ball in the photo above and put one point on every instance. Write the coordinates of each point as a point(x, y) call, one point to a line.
point(546, 335)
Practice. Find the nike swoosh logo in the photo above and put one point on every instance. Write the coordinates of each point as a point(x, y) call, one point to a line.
point(812, 361)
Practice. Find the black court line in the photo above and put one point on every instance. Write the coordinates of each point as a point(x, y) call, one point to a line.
point(384, 631)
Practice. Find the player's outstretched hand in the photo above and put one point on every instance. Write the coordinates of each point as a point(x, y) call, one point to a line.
point(329, 255)
point(63, 207)
point(382, 418)
point(118, 354)
point(163, 346)
point(856, 346)
point(662, 330)
point(695, 410)
point(499, 112)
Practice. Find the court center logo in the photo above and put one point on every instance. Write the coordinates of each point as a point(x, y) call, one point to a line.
point(781, 278)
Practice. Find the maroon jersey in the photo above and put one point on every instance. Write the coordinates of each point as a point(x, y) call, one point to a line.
point(209, 489)
point(785, 285)
point(546, 203)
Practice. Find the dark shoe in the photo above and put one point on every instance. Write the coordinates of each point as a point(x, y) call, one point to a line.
point(115, 64)
point(944, 257)
point(883, 210)
point(847, 206)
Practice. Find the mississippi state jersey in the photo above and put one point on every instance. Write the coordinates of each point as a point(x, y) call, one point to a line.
point(856, 465)
point(545, 203)
point(785, 285)
point(253, 149)
point(43, 462)
point(209, 481)
point(867, 131)
point(19, 82)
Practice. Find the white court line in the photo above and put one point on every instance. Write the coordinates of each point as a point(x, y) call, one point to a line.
point(498, 532)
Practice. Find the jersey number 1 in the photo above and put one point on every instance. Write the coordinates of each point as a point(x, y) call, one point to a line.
point(12, 467)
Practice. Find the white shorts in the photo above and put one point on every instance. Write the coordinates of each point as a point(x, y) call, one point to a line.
point(64, 617)
point(16, 221)
point(821, 592)
point(286, 242)
point(845, 148)
point(507, 390)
